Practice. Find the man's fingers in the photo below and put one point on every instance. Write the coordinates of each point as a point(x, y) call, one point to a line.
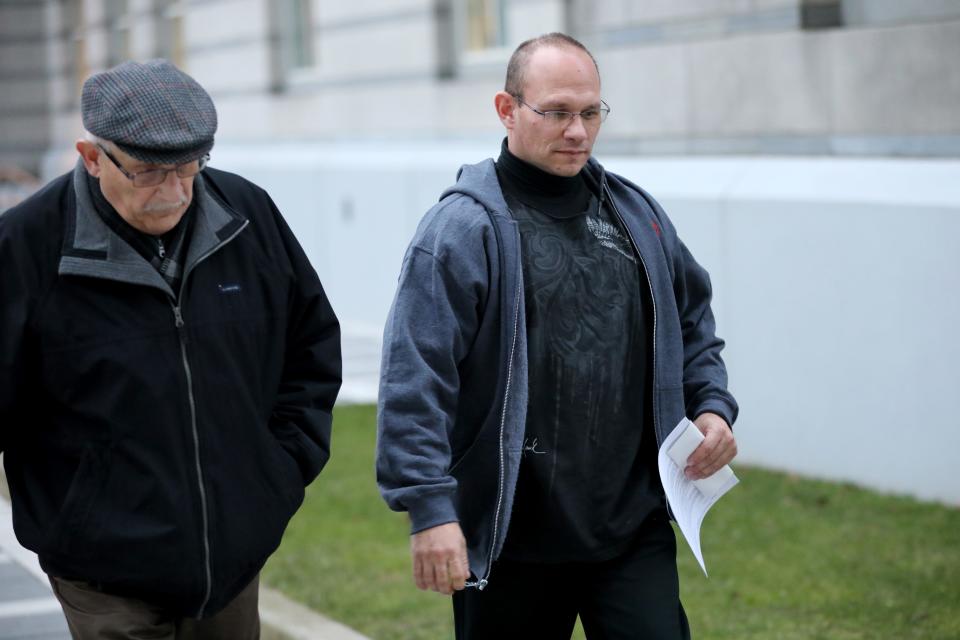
point(418, 577)
point(459, 571)
point(712, 460)
point(703, 453)
point(439, 558)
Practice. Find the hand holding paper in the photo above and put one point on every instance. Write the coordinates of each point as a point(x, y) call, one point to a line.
point(718, 447)
point(690, 499)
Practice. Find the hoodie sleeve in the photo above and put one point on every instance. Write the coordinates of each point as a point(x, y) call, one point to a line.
point(429, 330)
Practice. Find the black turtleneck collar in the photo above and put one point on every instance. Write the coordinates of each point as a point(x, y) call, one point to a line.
point(557, 196)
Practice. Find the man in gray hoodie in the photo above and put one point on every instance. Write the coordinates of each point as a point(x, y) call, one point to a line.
point(548, 332)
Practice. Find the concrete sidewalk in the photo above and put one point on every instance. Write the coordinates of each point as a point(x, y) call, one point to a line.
point(28, 609)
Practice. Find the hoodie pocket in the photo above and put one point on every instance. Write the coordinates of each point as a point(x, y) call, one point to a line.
point(77, 522)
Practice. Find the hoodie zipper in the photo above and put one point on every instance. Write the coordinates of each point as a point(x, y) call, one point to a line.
point(481, 583)
point(605, 191)
point(195, 432)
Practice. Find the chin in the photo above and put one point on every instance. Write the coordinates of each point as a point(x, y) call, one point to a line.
point(158, 223)
point(568, 170)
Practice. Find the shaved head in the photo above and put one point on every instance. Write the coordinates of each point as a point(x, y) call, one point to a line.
point(517, 67)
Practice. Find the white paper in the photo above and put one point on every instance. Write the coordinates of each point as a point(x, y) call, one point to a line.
point(690, 499)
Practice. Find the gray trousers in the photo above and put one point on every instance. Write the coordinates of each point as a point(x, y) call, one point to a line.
point(94, 615)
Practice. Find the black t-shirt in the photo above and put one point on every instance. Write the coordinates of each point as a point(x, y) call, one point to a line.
point(588, 476)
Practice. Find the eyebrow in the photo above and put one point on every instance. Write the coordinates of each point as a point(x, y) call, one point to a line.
point(561, 105)
point(143, 166)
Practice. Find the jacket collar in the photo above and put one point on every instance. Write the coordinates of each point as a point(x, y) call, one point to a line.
point(92, 249)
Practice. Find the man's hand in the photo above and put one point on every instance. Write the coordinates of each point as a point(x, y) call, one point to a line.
point(440, 558)
point(717, 449)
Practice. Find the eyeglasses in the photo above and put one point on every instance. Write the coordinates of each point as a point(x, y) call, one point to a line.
point(590, 117)
point(153, 177)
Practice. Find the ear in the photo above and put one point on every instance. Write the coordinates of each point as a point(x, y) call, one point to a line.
point(90, 155)
point(506, 106)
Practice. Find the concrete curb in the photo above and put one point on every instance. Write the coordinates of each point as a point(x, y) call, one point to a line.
point(284, 619)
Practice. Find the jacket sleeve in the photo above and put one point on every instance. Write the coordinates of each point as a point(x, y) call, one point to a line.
point(704, 372)
point(18, 290)
point(429, 330)
point(303, 413)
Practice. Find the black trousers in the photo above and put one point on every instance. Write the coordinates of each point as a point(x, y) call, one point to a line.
point(635, 596)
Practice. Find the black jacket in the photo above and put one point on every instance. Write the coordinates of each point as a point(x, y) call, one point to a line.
point(157, 446)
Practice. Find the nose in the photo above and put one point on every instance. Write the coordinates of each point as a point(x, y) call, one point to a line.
point(575, 130)
point(172, 184)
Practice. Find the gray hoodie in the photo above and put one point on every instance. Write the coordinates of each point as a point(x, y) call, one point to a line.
point(453, 388)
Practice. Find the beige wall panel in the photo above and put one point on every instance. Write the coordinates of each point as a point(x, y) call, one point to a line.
point(904, 80)
point(327, 12)
point(646, 88)
point(228, 21)
point(467, 109)
point(24, 94)
point(95, 45)
point(143, 41)
point(667, 10)
point(609, 14)
point(29, 129)
point(21, 58)
point(242, 117)
point(774, 4)
point(378, 49)
point(65, 128)
point(764, 84)
point(530, 19)
point(369, 112)
point(22, 22)
point(240, 68)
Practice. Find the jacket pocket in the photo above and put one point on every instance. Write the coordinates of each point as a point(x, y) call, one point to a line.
point(77, 524)
point(285, 476)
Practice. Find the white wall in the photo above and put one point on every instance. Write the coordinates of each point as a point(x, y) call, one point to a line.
point(835, 283)
point(836, 289)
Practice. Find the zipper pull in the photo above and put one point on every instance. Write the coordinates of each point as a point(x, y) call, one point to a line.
point(160, 249)
point(178, 317)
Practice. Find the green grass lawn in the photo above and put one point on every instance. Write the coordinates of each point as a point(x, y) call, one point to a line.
point(789, 558)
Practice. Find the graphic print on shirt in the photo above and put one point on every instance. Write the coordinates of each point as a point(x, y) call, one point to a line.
point(611, 237)
point(583, 483)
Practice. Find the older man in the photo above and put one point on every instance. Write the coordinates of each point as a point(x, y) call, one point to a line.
point(168, 366)
point(548, 331)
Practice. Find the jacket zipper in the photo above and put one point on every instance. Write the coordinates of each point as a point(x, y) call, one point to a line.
point(653, 304)
point(196, 458)
point(482, 582)
point(191, 400)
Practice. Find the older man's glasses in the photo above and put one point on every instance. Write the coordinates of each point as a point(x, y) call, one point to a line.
point(154, 177)
point(590, 117)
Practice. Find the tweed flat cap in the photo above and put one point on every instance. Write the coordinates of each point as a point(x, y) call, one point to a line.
point(152, 111)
